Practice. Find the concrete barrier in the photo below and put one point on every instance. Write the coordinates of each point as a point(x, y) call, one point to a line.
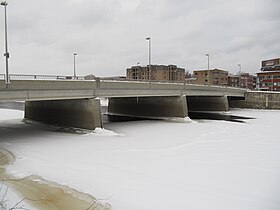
point(153, 107)
point(258, 100)
point(79, 113)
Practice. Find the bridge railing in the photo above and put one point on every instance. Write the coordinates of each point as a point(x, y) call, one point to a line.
point(106, 81)
point(42, 77)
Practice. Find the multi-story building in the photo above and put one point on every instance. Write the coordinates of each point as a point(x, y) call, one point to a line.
point(158, 73)
point(269, 77)
point(244, 80)
point(215, 77)
point(268, 80)
point(233, 80)
point(271, 65)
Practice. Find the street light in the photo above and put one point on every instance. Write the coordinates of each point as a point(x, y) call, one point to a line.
point(6, 54)
point(75, 65)
point(149, 40)
point(208, 55)
point(239, 75)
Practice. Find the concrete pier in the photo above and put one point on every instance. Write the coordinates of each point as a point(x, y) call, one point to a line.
point(153, 107)
point(79, 113)
point(207, 103)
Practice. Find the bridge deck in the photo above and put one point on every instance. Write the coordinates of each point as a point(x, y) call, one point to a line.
point(29, 90)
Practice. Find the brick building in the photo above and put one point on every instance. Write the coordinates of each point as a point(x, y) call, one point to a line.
point(269, 80)
point(216, 77)
point(269, 77)
point(158, 73)
point(244, 80)
point(271, 65)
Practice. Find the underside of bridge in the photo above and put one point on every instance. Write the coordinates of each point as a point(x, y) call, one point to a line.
point(151, 107)
point(86, 113)
point(78, 113)
point(207, 103)
point(166, 106)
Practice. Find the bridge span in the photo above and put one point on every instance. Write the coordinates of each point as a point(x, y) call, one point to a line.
point(76, 102)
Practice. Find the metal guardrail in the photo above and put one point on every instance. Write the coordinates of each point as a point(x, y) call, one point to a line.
point(58, 77)
point(42, 77)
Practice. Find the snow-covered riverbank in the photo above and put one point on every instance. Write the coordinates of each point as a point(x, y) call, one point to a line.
point(201, 164)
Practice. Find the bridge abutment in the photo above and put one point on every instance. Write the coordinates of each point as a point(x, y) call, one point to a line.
point(151, 107)
point(207, 103)
point(79, 113)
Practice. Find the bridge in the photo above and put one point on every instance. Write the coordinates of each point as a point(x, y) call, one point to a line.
point(75, 102)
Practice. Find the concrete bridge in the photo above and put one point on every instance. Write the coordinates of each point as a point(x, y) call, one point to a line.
point(76, 102)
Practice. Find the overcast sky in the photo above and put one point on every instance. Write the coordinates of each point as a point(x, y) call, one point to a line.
point(109, 35)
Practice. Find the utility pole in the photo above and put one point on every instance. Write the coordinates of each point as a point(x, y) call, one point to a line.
point(75, 65)
point(239, 75)
point(208, 55)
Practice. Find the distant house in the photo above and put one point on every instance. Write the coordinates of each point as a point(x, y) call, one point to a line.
point(90, 77)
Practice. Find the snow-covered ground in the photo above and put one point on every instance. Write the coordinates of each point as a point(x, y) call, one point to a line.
point(198, 165)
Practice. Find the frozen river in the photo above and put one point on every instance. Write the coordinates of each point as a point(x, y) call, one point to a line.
point(140, 165)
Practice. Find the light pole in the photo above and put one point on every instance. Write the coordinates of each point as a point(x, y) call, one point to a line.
point(208, 55)
point(239, 75)
point(6, 54)
point(137, 72)
point(75, 65)
point(149, 40)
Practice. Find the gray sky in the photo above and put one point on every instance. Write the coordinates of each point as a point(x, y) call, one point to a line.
point(109, 35)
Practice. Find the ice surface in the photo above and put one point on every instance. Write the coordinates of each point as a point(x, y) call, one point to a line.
point(7, 114)
point(103, 132)
point(163, 165)
point(10, 200)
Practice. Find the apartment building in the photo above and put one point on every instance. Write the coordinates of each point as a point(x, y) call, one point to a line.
point(158, 73)
point(211, 77)
point(244, 80)
point(268, 81)
point(269, 77)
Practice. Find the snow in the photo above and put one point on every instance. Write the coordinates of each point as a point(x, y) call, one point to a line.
point(164, 165)
point(10, 200)
point(7, 114)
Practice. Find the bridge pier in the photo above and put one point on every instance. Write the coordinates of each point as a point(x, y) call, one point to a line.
point(150, 107)
point(207, 103)
point(79, 113)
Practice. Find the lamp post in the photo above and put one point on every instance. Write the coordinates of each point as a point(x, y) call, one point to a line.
point(6, 54)
point(149, 40)
point(75, 65)
point(239, 75)
point(208, 55)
